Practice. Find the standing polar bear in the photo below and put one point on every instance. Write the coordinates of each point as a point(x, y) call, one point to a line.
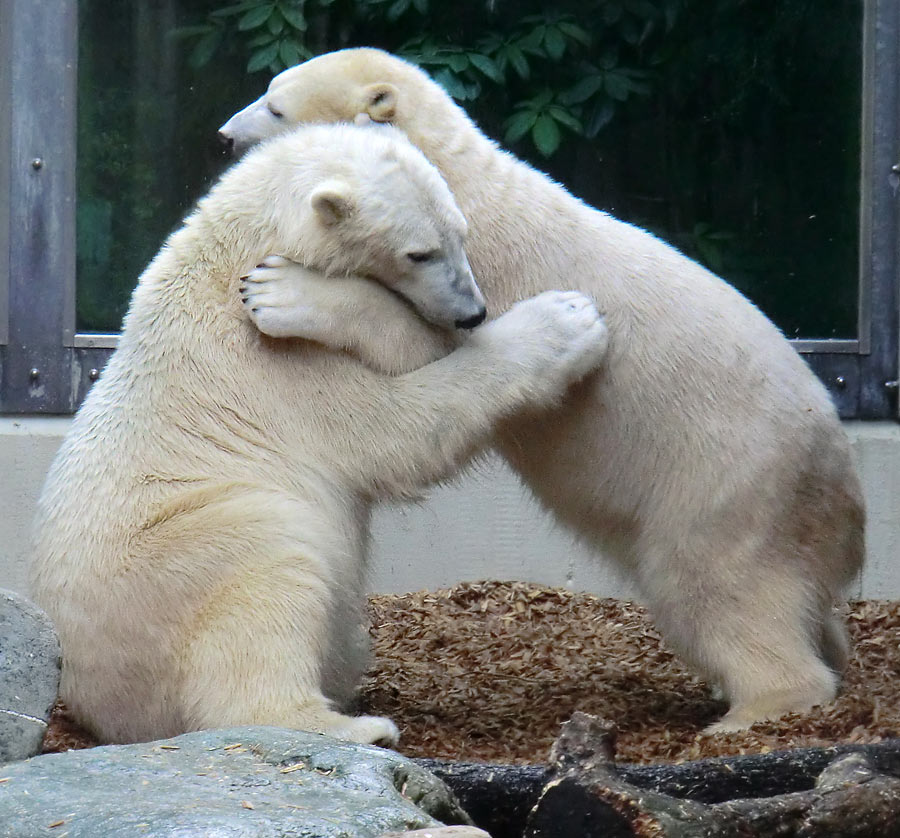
point(708, 459)
point(200, 541)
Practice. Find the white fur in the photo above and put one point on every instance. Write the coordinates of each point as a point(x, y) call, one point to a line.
point(707, 459)
point(200, 542)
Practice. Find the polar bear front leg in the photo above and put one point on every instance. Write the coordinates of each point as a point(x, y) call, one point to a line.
point(429, 422)
point(346, 313)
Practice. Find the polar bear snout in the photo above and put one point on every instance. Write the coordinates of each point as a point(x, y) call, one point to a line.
point(247, 127)
point(226, 142)
point(471, 322)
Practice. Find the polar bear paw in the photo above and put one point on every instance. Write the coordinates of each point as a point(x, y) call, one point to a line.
point(366, 730)
point(558, 337)
point(287, 300)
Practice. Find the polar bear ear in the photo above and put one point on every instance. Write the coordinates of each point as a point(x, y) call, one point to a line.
point(332, 202)
point(380, 101)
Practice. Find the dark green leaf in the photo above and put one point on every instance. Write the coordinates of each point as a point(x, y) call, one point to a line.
point(598, 118)
point(206, 48)
point(519, 124)
point(544, 98)
point(583, 90)
point(275, 23)
point(458, 62)
point(649, 26)
point(518, 61)
point(255, 17)
point(555, 43)
point(532, 41)
point(236, 9)
point(617, 86)
point(289, 52)
point(629, 31)
point(486, 66)
point(421, 6)
point(641, 8)
point(294, 16)
point(609, 59)
point(262, 58)
point(639, 87)
point(454, 86)
point(545, 135)
point(611, 13)
point(191, 31)
point(490, 44)
point(260, 40)
point(396, 9)
point(565, 117)
point(576, 33)
point(710, 255)
point(671, 11)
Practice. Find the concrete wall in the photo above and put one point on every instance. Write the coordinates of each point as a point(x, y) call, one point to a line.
point(483, 526)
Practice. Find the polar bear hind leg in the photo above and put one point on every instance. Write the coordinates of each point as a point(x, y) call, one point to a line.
point(280, 614)
point(255, 648)
point(758, 639)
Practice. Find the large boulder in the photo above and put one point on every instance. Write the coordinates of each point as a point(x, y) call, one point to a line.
point(29, 676)
point(241, 782)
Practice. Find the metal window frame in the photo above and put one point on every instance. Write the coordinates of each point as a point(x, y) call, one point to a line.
point(45, 367)
point(862, 375)
point(5, 139)
point(41, 368)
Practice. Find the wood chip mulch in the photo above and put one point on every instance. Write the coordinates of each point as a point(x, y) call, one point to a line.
point(488, 672)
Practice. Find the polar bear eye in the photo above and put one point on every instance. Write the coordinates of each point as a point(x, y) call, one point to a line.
point(421, 256)
point(275, 112)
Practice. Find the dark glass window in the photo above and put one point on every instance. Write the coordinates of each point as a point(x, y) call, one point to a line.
point(730, 129)
point(762, 139)
point(146, 140)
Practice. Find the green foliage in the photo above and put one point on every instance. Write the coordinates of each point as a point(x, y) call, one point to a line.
point(274, 33)
point(703, 121)
point(533, 70)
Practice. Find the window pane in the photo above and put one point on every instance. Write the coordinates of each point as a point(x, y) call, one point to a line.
point(745, 152)
point(730, 129)
point(146, 140)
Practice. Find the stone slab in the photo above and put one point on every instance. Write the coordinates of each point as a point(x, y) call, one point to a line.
point(251, 782)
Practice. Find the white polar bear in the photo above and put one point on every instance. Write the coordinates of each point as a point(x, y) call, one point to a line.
point(200, 541)
point(707, 458)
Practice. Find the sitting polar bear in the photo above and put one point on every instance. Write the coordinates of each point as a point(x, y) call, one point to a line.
point(200, 541)
point(707, 459)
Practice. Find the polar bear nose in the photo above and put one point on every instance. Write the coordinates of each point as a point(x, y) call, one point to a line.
point(227, 142)
point(473, 321)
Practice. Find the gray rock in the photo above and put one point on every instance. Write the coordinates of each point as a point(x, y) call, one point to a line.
point(29, 676)
point(244, 782)
point(441, 832)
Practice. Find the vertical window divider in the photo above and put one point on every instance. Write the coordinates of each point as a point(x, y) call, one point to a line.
point(41, 68)
point(6, 116)
point(879, 246)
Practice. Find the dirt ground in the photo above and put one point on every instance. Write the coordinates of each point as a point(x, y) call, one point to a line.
point(488, 672)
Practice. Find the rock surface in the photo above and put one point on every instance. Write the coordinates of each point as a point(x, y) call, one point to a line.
point(442, 832)
point(241, 782)
point(29, 676)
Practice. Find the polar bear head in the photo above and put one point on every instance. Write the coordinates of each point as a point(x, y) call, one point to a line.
point(339, 86)
point(351, 200)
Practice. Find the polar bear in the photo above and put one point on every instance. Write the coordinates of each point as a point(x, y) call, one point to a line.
point(200, 541)
point(708, 459)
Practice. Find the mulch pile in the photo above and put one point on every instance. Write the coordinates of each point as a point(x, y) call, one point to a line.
point(489, 671)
